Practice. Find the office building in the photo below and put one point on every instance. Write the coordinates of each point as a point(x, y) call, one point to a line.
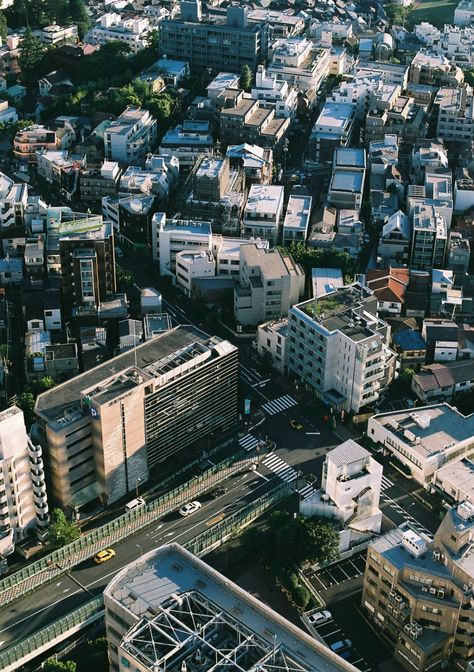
point(87, 265)
point(424, 439)
point(23, 501)
point(338, 347)
point(297, 216)
point(169, 607)
point(104, 430)
point(269, 284)
point(131, 136)
point(418, 592)
point(171, 236)
point(263, 212)
point(220, 45)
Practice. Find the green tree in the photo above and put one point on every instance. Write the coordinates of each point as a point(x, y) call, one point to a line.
point(79, 16)
point(31, 57)
point(245, 78)
point(59, 666)
point(61, 531)
point(3, 27)
point(26, 401)
point(396, 13)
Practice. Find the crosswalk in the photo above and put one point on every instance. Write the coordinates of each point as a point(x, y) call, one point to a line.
point(287, 473)
point(279, 404)
point(307, 491)
point(248, 442)
point(386, 483)
point(404, 514)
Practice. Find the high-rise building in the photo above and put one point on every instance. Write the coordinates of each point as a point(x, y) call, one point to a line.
point(23, 500)
point(87, 265)
point(418, 591)
point(170, 610)
point(103, 431)
point(338, 347)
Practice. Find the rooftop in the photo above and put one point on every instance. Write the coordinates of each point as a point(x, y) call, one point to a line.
point(297, 212)
point(264, 200)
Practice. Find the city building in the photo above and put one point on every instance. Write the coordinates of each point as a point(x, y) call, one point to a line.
point(263, 212)
point(23, 500)
point(418, 592)
point(55, 35)
point(347, 181)
point(424, 439)
point(188, 142)
point(333, 128)
point(455, 481)
point(441, 382)
point(133, 31)
point(255, 162)
point(350, 493)
point(171, 236)
point(169, 607)
point(29, 141)
point(270, 282)
point(271, 342)
point(410, 347)
point(299, 62)
point(104, 430)
point(455, 112)
point(442, 339)
point(429, 238)
point(226, 44)
point(338, 347)
point(87, 265)
point(297, 217)
point(459, 253)
point(389, 286)
point(131, 136)
point(274, 93)
point(433, 69)
point(96, 183)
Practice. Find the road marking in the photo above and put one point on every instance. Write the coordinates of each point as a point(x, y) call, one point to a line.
point(216, 519)
point(279, 404)
point(344, 571)
point(334, 632)
point(317, 577)
point(248, 442)
point(313, 433)
point(2, 642)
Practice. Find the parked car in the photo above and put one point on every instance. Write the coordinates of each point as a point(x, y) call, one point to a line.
point(218, 492)
point(134, 504)
point(189, 508)
point(103, 556)
point(342, 646)
point(296, 425)
point(320, 617)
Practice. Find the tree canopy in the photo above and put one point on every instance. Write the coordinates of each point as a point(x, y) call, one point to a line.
point(322, 258)
point(59, 666)
point(31, 58)
point(61, 531)
point(245, 78)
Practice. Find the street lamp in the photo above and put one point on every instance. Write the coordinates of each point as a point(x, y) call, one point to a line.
point(137, 483)
point(140, 549)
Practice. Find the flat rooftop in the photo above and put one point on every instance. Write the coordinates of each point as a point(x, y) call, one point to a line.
point(264, 199)
point(347, 180)
point(179, 602)
point(298, 212)
point(446, 427)
point(335, 116)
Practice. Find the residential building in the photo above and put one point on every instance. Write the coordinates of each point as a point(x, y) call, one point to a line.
point(11, 271)
point(131, 217)
point(394, 243)
point(333, 128)
point(131, 137)
point(325, 280)
point(97, 183)
point(263, 212)
point(29, 141)
point(350, 493)
point(284, 24)
point(441, 382)
point(417, 590)
point(221, 82)
point(87, 265)
point(156, 179)
point(171, 585)
point(389, 286)
point(454, 42)
point(171, 236)
point(347, 180)
point(338, 347)
point(151, 301)
point(61, 169)
point(188, 142)
point(410, 347)
point(299, 62)
point(226, 45)
point(133, 31)
point(173, 72)
point(104, 430)
point(297, 217)
point(424, 439)
point(59, 78)
point(23, 500)
point(55, 35)
point(391, 73)
point(270, 282)
point(274, 93)
point(459, 253)
point(255, 162)
point(190, 265)
point(8, 115)
point(455, 114)
point(455, 481)
point(429, 238)
point(441, 336)
point(271, 342)
point(434, 70)
point(464, 13)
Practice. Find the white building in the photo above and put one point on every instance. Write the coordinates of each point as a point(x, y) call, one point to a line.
point(169, 237)
point(263, 211)
point(190, 265)
point(8, 115)
point(111, 26)
point(300, 63)
point(455, 114)
point(333, 128)
point(296, 222)
point(464, 13)
point(274, 93)
point(54, 34)
point(271, 340)
point(23, 501)
point(426, 439)
point(131, 136)
point(269, 284)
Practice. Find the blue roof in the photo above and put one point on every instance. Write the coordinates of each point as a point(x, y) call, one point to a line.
point(409, 339)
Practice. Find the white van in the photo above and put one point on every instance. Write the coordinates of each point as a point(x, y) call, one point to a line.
point(134, 504)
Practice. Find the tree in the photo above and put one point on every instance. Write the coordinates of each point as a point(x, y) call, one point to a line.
point(396, 13)
point(61, 531)
point(3, 27)
point(245, 78)
point(59, 666)
point(31, 57)
point(26, 401)
point(79, 16)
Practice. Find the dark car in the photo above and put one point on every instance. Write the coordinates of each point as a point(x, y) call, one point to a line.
point(218, 492)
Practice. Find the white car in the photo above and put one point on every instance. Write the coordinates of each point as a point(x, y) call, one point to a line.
point(189, 508)
point(320, 617)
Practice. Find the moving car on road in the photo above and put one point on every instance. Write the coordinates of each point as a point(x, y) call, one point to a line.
point(218, 492)
point(189, 508)
point(103, 556)
point(320, 617)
